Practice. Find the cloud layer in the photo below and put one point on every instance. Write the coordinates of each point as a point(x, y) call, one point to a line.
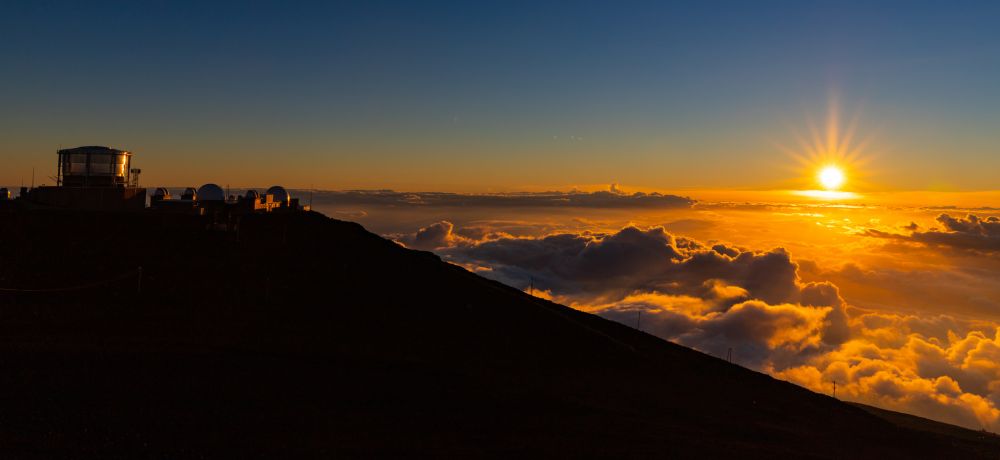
point(613, 198)
point(972, 233)
point(715, 297)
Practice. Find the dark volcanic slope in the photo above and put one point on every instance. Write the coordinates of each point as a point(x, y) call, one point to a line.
point(306, 336)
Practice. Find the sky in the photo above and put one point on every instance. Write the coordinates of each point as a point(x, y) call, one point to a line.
point(623, 158)
point(502, 96)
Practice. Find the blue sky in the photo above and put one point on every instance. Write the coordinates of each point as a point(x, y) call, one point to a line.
point(501, 95)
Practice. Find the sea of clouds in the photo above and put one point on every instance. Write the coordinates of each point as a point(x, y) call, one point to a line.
point(917, 337)
point(716, 296)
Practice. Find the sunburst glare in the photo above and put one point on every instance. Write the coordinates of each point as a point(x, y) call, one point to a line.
point(827, 157)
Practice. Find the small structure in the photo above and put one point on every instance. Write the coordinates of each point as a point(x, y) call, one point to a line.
point(268, 202)
point(211, 193)
point(280, 195)
point(91, 178)
point(160, 194)
point(96, 166)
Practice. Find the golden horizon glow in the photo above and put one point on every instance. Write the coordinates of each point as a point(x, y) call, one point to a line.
point(827, 194)
point(831, 177)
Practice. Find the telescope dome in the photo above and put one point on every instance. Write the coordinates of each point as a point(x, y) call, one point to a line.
point(280, 194)
point(253, 195)
point(211, 192)
point(162, 193)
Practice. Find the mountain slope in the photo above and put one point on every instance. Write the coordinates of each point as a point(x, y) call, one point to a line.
point(305, 336)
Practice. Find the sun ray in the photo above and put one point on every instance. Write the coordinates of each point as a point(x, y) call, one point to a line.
point(831, 157)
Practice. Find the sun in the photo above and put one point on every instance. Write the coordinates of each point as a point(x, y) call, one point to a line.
point(831, 177)
point(832, 158)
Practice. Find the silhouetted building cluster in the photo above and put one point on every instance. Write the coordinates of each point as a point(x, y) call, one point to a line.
point(211, 198)
point(102, 179)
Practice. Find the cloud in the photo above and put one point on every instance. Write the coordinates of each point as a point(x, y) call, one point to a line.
point(760, 333)
point(715, 297)
point(688, 225)
point(925, 279)
point(612, 265)
point(955, 380)
point(739, 296)
point(436, 235)
point(443, 234)
point(974, 233)
point(613, 198)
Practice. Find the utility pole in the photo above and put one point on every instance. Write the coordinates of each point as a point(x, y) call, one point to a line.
point(834, 388)
point(531, 286)
point(638, 320)
point(729, 355)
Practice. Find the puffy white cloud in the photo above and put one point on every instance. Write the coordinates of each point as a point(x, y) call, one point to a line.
point(956, 381)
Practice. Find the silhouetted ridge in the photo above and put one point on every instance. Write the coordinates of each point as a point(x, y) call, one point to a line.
point(299, 335)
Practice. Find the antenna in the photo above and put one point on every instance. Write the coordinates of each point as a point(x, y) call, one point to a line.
point(638, 320)
point(310, 196)
point(531, 286)
point(32, 177)
point(729, 355)
point(834, 388)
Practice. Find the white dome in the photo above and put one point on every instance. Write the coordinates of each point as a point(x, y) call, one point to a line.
point(280, 194)
point(211, 192)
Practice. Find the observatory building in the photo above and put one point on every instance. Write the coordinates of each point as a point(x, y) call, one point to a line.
point(92, 178)
point(99, 178)
point(211, 199)
point(95, 167)
point(220, 210)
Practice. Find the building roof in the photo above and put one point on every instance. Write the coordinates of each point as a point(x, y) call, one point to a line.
point(93, 149)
